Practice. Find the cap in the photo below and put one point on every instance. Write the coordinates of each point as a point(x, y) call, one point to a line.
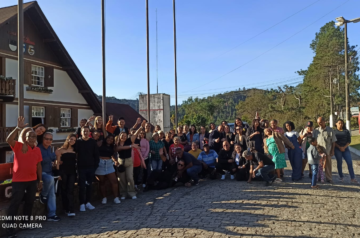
point(246, 153)
point(309, 124)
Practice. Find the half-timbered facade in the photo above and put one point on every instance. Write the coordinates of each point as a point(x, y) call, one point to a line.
point(55, 92)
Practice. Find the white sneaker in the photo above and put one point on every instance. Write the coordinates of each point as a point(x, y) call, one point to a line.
point(232, 177)
point(89, 206)
point(223, 177)
point(277, 180)
point(82, 208)
point(134, 197)
point(104, 201)
point(122, 198)
point(117, 200)
point(71, 214)
point(144, 185)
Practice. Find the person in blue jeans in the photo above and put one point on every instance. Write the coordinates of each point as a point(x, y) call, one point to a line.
point(313, 160)
point(47, 195)
point(260, 166)
point(342, 150)
point(157, 148)
point(192, 166)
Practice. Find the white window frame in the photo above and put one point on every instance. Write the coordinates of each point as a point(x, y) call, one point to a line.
point(39, 112)
point(37, 75)
point(65, 117)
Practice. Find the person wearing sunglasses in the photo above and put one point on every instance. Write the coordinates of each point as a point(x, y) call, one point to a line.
point(225, 161)
point(191, 165)
point(47, 195)
point(182, 177)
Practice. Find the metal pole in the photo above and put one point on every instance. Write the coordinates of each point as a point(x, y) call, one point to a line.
point(331, 103)
point(176, 109)
point(347, 101)
point(147, 60)
point(103, 62)
point(157, 69)
point(20, 58)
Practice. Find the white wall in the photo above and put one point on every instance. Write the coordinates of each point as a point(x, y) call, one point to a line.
point(64, 88)
point(84, 113)
point(11, 115)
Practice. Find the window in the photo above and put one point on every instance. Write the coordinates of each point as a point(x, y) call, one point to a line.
point(38, 115)
point(37, 75)
point(65, 117)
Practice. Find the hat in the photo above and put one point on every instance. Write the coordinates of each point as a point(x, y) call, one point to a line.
point(154, 134)
point(246, 153)
point(309, 124)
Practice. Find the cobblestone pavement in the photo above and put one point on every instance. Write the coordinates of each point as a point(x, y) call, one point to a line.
point(223, 209)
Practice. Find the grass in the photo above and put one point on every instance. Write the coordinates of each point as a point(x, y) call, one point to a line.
point(355, 142)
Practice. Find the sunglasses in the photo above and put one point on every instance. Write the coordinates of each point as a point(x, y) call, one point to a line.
point(180, 165)
point(50, 139)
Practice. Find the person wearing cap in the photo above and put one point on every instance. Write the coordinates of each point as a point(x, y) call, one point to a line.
point(326, 138)
point(208, 159)
point(260, 166)
point(305, 134)
point(157, 149)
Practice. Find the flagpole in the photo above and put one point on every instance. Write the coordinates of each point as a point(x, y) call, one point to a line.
point(20, 19)
point(147, 60)
point(103, 62)
point(176, 109)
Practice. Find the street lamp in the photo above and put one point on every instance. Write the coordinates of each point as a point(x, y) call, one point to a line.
point(342, 21)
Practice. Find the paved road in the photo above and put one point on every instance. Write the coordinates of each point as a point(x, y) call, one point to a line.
point(223, 209)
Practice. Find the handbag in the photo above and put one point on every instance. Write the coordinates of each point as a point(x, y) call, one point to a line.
point(121, 168)
point(163, 158)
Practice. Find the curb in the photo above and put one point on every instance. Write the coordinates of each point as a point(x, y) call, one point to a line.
point(354, 151)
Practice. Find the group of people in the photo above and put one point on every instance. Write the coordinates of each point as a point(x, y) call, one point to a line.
point(144, 157)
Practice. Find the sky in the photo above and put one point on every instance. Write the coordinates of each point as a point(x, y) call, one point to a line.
point(222, 45)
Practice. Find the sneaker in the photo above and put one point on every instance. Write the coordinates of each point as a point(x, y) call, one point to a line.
point(274, 178)
point(223, 177)
point(53, 218)
point(268, 183)
point(43, 199)
point(122, 198)
point(354, 181)
point(89, 206)
point(232, 177)
point(144, 185)
point(134, 197)
point(278, 180)
point(71, 214)
point(117, 200)
point(341, 179)
point(82, 208)
point(104, 201)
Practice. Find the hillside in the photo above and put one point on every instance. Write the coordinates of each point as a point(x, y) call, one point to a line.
point(134, 103)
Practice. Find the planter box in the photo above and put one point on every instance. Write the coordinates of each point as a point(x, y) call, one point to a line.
point(39, 89)
point(65, 130)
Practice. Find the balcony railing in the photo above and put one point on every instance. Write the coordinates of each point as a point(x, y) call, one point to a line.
point(7, 86)
point(4, 132)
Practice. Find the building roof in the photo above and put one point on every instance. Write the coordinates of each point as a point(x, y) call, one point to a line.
point(123, 110)
point(34, 12)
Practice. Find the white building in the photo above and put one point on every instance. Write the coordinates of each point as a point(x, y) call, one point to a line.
point(55, 92)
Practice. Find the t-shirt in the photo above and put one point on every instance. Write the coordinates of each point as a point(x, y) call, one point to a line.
point(188, 158)
point(124, 154)
point(156, 146)
point(313, 155)
point(258, 157)
point(25, 165)
point(278, 129)
point(195, 153)
point(325, 138)
point(47, 158)
point(173, 148)
point(209, 159)
point(342, 137)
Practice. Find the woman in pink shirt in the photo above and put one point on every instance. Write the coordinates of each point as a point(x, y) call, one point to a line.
point(145, 150)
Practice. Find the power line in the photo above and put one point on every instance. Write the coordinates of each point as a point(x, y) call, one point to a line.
point(247, 85)
point(240, 92)
point(260, 33)
point(276, 45)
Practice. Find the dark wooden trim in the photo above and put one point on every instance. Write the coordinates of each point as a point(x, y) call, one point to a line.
point(48, 40)
point(2, 114)
point(45, 63)
point(84, 91)
point(3, 66)
point(53, 102)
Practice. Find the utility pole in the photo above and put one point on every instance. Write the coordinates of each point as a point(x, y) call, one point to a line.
point(103, 62)
point(20, 19)
point(176, 109)
point(157, 70)
point(147, 60)
point(331, 117)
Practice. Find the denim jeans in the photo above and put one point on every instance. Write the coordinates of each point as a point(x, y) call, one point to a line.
point(347, 157)
point(86, 177)
point(194, 171)
point(315, 169)
point(49, 192)
point(156, 165)
point(264, 172)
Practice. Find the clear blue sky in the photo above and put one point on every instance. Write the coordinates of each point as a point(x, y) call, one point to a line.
point(205, 30)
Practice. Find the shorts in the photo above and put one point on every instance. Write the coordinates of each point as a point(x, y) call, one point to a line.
point(106, 166)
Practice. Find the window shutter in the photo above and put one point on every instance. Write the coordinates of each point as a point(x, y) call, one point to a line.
point(49, 77)
point(27, 76)
point(56, 117)
point(30, 115)
point(50, 116)
point(2, 66)
point(74, 117)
